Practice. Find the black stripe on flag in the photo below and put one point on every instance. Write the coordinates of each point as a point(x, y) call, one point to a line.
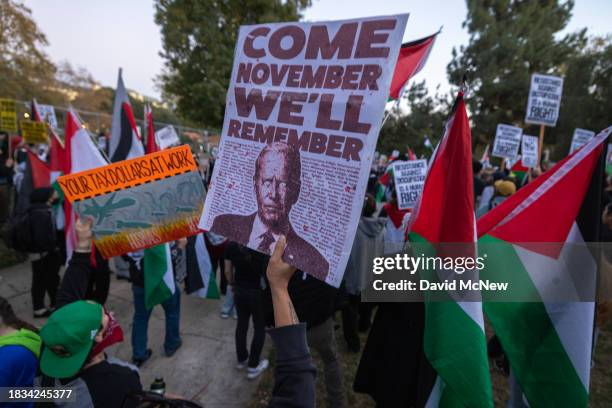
point(193, 279)
point(125, 139)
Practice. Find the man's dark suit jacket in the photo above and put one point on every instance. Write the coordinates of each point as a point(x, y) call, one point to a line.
point(298, 252)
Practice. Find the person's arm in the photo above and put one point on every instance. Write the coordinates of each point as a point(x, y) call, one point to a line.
point(76, 278)
point(294, 376)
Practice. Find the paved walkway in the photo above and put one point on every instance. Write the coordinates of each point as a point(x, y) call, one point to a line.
point(202, 370)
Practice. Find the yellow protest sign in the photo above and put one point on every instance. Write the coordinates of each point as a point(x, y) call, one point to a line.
point(8, 115)
point(33, 132)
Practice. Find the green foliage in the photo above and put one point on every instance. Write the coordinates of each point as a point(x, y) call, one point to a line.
point(25, 69)
point(426, 118)
point(198, 39)
point(509, 41)
point(587, 94)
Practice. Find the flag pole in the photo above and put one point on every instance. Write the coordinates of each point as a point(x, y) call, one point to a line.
point(395, 106)
point(541, 143)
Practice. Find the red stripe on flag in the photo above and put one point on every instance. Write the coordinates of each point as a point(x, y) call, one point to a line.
point(41, 175)
point(445, 212)
point(412, 57)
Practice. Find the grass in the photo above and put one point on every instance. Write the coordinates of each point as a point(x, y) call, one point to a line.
point(600, 388)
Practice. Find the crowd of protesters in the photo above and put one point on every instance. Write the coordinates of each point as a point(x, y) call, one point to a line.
point(70, 349)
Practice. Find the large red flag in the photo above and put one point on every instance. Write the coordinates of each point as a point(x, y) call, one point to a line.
point(454, 339)
point(411, 59)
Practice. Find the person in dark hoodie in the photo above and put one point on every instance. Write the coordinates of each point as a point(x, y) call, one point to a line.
point(367, 245)
point(19, 351)
point(45, 269)
point(294, 375)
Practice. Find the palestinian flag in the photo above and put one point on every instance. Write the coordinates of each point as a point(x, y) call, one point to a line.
point(394, 235)
point(548, 338)
point(36, 175)
point(80, 154)
point(125, 142)
point(158, 270)
point(454, 339)
point(200, 280)
point(384, 183)
point(35, 112)
point(519, 171)
point(56, 160)
point(411, 59)
point(158, 277)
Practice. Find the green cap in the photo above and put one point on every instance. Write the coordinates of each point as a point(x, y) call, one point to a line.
point(68, 337)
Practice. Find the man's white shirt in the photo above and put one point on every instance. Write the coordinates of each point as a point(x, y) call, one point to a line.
point(259, 229)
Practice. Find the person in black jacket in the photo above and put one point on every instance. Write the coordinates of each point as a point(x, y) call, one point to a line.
point(72, 355)
point(294, 375)
point(45, 269)
point(315, 303)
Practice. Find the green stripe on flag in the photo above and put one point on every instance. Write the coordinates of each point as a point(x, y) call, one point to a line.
point(537, 356)
point(455, 346)
point(157, 266)
point(212, 291)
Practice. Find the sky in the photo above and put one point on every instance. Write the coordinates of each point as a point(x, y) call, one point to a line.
point(103, 35)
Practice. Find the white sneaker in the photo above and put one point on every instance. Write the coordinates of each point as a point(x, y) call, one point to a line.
point(254, 372)
point(224, 315)
point(241, 365)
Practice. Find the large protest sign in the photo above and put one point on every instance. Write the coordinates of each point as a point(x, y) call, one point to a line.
point(580, 138)
point(529, 151)
point(47, 113)
point(409, 177)
point(33, 132)
point(166, 137)
point(303, 111)
point(140, 202)
point(507, 141)
point(8, 115)
point(544, 100)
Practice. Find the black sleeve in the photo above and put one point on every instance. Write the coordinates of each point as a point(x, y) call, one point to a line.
point(230, 251)
point(6, 171)
point(76, 280)
point(294, 376)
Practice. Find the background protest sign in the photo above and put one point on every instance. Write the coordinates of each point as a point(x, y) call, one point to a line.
point(33, 132)
point(580, 138)
point(47, 113)
point(139, 203)
point(544, 100)
point(409, 177)
point(304, 107)
point(8, 115)
point(507, 141)
point(166, 137)
point(529, 151)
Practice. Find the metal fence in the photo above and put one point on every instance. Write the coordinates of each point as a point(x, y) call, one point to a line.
point(95, 120)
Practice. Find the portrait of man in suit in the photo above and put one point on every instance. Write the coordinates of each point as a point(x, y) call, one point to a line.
point(277, 183)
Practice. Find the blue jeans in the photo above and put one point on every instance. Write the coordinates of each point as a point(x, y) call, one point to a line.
point(172, 309)
point(228, 304)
